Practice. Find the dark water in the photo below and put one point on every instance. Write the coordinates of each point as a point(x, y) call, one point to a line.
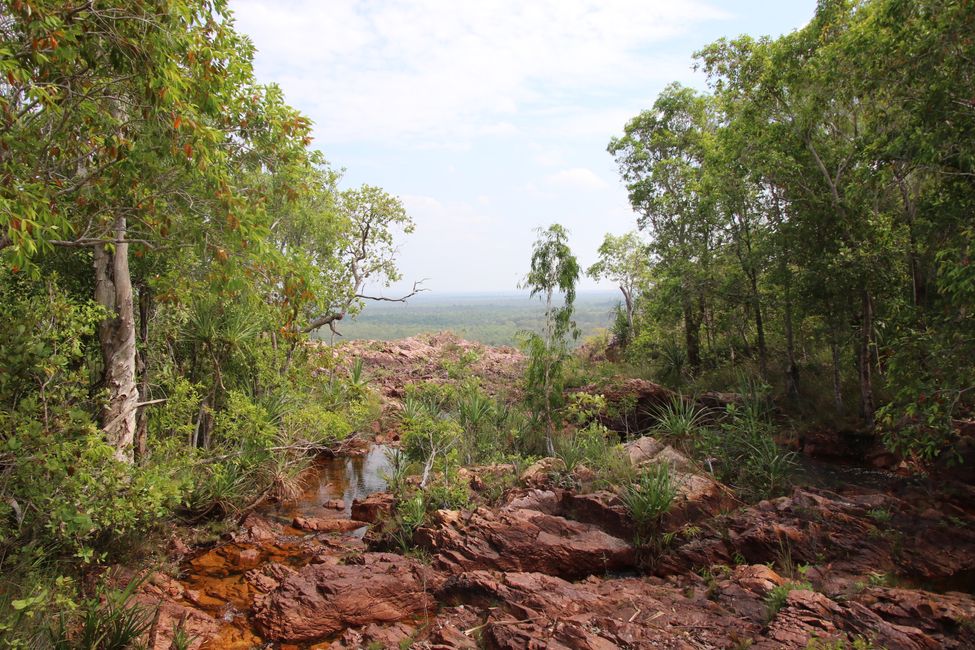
point(346, 478)
point(829, 475)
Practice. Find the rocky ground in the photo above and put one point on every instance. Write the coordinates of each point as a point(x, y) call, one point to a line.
point(549, 567)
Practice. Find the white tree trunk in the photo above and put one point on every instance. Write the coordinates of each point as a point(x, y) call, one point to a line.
point(113, 290)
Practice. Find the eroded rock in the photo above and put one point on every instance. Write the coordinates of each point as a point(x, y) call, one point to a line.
point(522, 540)
point(321, 600)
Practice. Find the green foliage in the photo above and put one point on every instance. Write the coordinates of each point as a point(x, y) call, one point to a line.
point(777, 597)
point(51, 617)
point(808, 219)
point(744, 454)
point(554, 269)
point(679, 421)
point(648, 499)
point(589, 446)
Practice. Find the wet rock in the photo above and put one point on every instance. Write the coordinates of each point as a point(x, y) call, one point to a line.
point(334, 504)
point(163, 592)
point(320, 600)
point(320, 525)
point(521, 540)
point(255, 529)
point(374, 507)
point(268, 577)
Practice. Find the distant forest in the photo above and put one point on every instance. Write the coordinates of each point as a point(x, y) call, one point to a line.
point(493, 319)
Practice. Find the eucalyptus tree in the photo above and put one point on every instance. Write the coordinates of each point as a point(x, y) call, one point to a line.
point(660, 157)
point(623, 260)
point(554, 273)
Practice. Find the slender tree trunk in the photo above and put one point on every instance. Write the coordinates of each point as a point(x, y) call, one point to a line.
point(792, 369)
point(116, 333)
point(759, 327)
point(692, 336)
point(865, 361)
point(628, 298)
point(142, 420)
point(837, 379)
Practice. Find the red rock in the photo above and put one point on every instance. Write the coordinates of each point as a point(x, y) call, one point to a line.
point(334, 504)
point(540, 473)
point(522, 540)
point(374, 507)
point(318, 600)
point(808, 614)
point(320, 525)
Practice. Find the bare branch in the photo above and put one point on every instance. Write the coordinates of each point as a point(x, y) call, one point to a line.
point(415, 290)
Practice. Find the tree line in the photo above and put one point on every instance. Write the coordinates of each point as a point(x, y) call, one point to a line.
point(811, 216)
point(168, 240)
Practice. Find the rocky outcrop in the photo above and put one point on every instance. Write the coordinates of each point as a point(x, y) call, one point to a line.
point(521, 540)
point(374, 507)
point(538, 611)
point(320, 600)
point(392, 365)
point(631, 404)
point(847, 538)
point(698, 495)
point(327, 524)
point(808, 614)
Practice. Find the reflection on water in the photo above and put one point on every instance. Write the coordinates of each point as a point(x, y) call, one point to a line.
point(812, 472)
point(346, 478)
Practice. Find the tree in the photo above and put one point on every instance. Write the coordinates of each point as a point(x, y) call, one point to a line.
point(660, 158)
point(554, 270)
point(623, 260)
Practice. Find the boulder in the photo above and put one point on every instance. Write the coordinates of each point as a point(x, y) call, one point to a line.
point(374, 507)
point(540, 472)
point(324, 525)
point(522, 540)
point(320, 600)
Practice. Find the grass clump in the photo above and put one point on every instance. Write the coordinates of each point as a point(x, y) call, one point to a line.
point(647, 500)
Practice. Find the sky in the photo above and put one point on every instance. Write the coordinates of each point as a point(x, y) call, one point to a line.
point(489, 118)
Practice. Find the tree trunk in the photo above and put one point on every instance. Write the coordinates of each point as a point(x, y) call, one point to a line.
point(116, 333)
point(837, 385)
point(865, 361)
point(792, 369)
point(759, 327)
point(692, 336)
point(628, 298)
point(142, 420)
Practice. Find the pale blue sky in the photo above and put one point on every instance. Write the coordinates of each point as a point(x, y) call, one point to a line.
point(490, 118)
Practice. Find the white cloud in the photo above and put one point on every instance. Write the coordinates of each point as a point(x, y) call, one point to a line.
point(436, 70)
point(578, 178)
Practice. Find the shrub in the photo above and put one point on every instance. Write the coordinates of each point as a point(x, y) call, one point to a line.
point(648, 499)
point(679, 420)
point(744, 454)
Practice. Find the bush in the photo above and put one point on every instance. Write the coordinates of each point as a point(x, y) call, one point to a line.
point(648, 499)
point(679, 421)
point(744, 454)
